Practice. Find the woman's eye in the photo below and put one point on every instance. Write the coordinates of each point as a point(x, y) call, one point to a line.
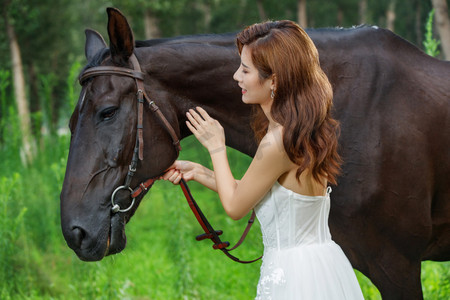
point(108, 113)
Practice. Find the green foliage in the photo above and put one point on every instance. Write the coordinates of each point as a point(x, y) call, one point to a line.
point(431, 44)
point(370, 292)
point(10, 135)
point(162, 259)
point(73, 88)
point(436, 280)
point(11, 227)
point(47, 84)
point(51, 36)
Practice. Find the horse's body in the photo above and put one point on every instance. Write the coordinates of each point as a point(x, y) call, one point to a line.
point(391, 209)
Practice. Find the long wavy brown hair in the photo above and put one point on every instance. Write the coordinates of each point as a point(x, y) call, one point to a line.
point(302, 98)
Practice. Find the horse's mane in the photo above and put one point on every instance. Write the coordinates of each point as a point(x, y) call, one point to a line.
point(372, 37)
point(339, 28)
point(214, 39)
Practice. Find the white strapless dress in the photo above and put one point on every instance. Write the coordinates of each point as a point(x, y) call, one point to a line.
point(300, 259)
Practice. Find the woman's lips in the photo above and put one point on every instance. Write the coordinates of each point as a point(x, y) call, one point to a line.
point(244, 91)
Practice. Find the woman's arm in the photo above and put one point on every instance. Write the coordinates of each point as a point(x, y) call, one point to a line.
point(270, 162)
point(189, 170)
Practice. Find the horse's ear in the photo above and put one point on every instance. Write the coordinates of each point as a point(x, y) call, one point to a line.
point(121, 37)
point(94, 43)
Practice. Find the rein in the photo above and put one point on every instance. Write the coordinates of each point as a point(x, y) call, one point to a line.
point(212, 234)
point(138, 154)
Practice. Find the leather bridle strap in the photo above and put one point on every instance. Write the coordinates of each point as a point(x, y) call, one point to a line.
point(212, 234)
point(138, 153)
point(143, 95)
point(144, 186)
point(138, 76)
point(110, 70)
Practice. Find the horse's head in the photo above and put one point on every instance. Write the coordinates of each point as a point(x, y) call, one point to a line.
point(104, 129)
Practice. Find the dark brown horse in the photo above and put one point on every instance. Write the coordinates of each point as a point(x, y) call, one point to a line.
point(391, 209)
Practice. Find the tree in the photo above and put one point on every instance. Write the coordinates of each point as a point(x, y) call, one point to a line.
point(362, 10)
point(261, 11)
point(390, 15)
point(443, 25)
point(19, 87)
point(301, 13)
point(151, 25)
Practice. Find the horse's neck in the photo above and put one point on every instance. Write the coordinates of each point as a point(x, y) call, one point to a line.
point(191, 75)
point(232, 114)
point(235, 119)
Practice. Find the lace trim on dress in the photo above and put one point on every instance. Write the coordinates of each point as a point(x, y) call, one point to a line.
point(272, 276)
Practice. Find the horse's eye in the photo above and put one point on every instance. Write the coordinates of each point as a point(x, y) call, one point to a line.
point(108, 113)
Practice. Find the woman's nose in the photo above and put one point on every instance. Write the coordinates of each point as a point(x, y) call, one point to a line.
point(235, 75)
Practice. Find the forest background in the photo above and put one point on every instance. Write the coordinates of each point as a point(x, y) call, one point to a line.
point(41, 53)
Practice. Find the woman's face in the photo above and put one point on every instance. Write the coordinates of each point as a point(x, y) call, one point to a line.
point(254, 91)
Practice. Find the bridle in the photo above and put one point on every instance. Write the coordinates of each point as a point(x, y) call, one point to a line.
point(138, 154)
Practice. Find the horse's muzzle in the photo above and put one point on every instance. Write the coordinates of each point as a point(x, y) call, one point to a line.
point(95, 246)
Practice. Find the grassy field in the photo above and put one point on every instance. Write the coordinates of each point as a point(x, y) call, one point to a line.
point(162, 259)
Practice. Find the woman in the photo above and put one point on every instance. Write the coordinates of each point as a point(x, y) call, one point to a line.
point(286, 183)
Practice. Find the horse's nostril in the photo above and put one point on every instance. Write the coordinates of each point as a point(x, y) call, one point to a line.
point(78, 236)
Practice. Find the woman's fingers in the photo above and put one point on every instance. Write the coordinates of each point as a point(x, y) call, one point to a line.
point(207, 130)
point(204, 115)
point(196, 115)
point(180, 169)
point(192, 121)
point(195, 122)
point(176, 178)
point(199, 116)
point(167, 174)
point(191, 128)
point(172, 175)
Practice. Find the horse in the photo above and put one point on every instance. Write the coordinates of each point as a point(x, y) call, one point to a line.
point(390, 209)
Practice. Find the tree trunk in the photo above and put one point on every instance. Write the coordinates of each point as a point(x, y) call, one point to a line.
point(34, 94)
point(362, 11)
point(207, 14)
point(27, 151)
point(151, 25)
point(443, 25)
point(261, 11)
point(390, 16)
point(301, 13)
point(340, 17)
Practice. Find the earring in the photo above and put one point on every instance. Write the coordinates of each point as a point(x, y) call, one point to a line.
point(272, 94)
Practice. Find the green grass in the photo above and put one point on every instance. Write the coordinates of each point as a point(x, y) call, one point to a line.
point(162, 259)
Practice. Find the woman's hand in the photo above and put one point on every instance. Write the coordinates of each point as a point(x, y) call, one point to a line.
point(207, 130)
point(180, 169)
point(189, 170)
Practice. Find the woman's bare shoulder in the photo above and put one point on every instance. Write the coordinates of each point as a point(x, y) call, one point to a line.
point(271, 146)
